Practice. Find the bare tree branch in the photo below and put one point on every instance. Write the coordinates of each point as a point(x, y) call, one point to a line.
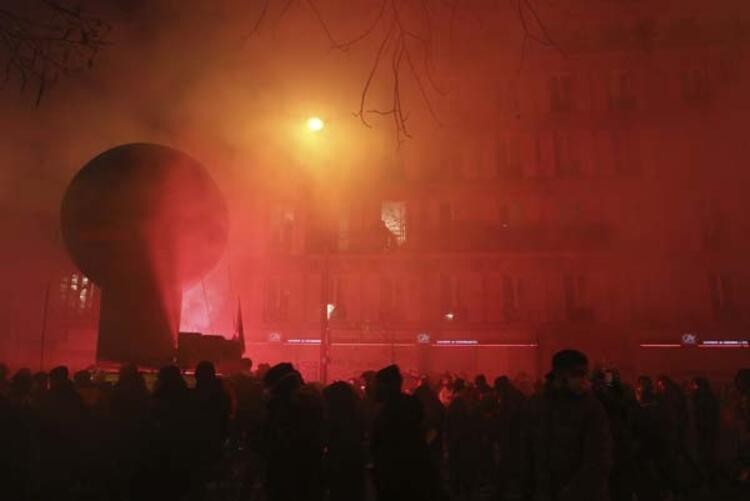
point(401, 23)
point(38, 51)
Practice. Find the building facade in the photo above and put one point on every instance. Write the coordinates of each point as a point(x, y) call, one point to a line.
point(594, 198)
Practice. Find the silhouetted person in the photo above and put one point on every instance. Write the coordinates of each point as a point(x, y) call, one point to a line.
point(679, 468)
point(39, 385)
point(90, 393)
point(171, 441)
point(653, 452)
point(61, 413)
point(345, 458)
point(620, 407)
point(20, 390)
point(212, 406)
point(463, 442)
point(293, 441)
point(569, 439)
point(508, 436)
point(18, 468)
point(400, 455)
point(128, 409)
point(434, 423)
point(706, 416)
point(481, 385)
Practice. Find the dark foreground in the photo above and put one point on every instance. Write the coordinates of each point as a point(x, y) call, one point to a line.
point(268, 435)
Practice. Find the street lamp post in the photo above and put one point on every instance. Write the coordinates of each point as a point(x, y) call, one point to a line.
point(324, 313)
point(316, 125)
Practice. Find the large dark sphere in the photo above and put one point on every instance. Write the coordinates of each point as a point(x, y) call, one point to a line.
point(144, 209)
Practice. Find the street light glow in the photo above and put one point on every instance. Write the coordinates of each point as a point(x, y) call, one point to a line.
point(315, 124)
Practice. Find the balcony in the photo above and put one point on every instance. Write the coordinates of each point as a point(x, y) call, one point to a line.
point(468, 237)
point(528, 238)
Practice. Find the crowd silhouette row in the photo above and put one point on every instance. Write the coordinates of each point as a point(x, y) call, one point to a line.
point(267, 435)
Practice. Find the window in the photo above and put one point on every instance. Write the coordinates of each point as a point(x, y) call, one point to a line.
point(511, 298)
point(625, 153)
point(509, 215)
point(509, 158)
point(571, 214)
point(446, 215)
point(561, 93)
point(566, 156)
point(504, 216)
point(344, 232)
point(621, 92)
point(276, 304)
point(445, 223)
point(451, 303)
point(507, 99)
point(77, 295)
point(282, 222)
point(393, 215)
point(390, 299)
point(695, 86)
point(714, 227)
point(576, 298)
point(338, 298)
point(450, 166)
point(720, 288)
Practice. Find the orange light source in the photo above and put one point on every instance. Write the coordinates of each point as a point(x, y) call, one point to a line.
point(315, 124)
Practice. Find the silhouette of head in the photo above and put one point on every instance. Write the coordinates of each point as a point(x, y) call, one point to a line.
point(205, 373)
point(282, 379)
point(170, 380)
point(131, 380)
point(341, 399)
point(388, 382)
point(275, 373)
point(40, 381)
point(21, 382)
point(246, 365)
point(58, 377)
point(569, 371)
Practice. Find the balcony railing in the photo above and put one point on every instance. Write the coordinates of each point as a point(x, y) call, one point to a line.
point(474, 237)
point(466, 238)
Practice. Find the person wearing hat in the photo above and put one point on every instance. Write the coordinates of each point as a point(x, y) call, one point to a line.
point(567, 438)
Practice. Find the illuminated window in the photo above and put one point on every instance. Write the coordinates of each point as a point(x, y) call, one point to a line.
point(393, 215)
point(78, 295)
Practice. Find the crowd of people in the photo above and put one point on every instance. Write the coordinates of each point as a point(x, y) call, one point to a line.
point(580, 435)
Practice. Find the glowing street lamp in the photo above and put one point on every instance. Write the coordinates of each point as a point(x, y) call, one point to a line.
point(315, 124)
